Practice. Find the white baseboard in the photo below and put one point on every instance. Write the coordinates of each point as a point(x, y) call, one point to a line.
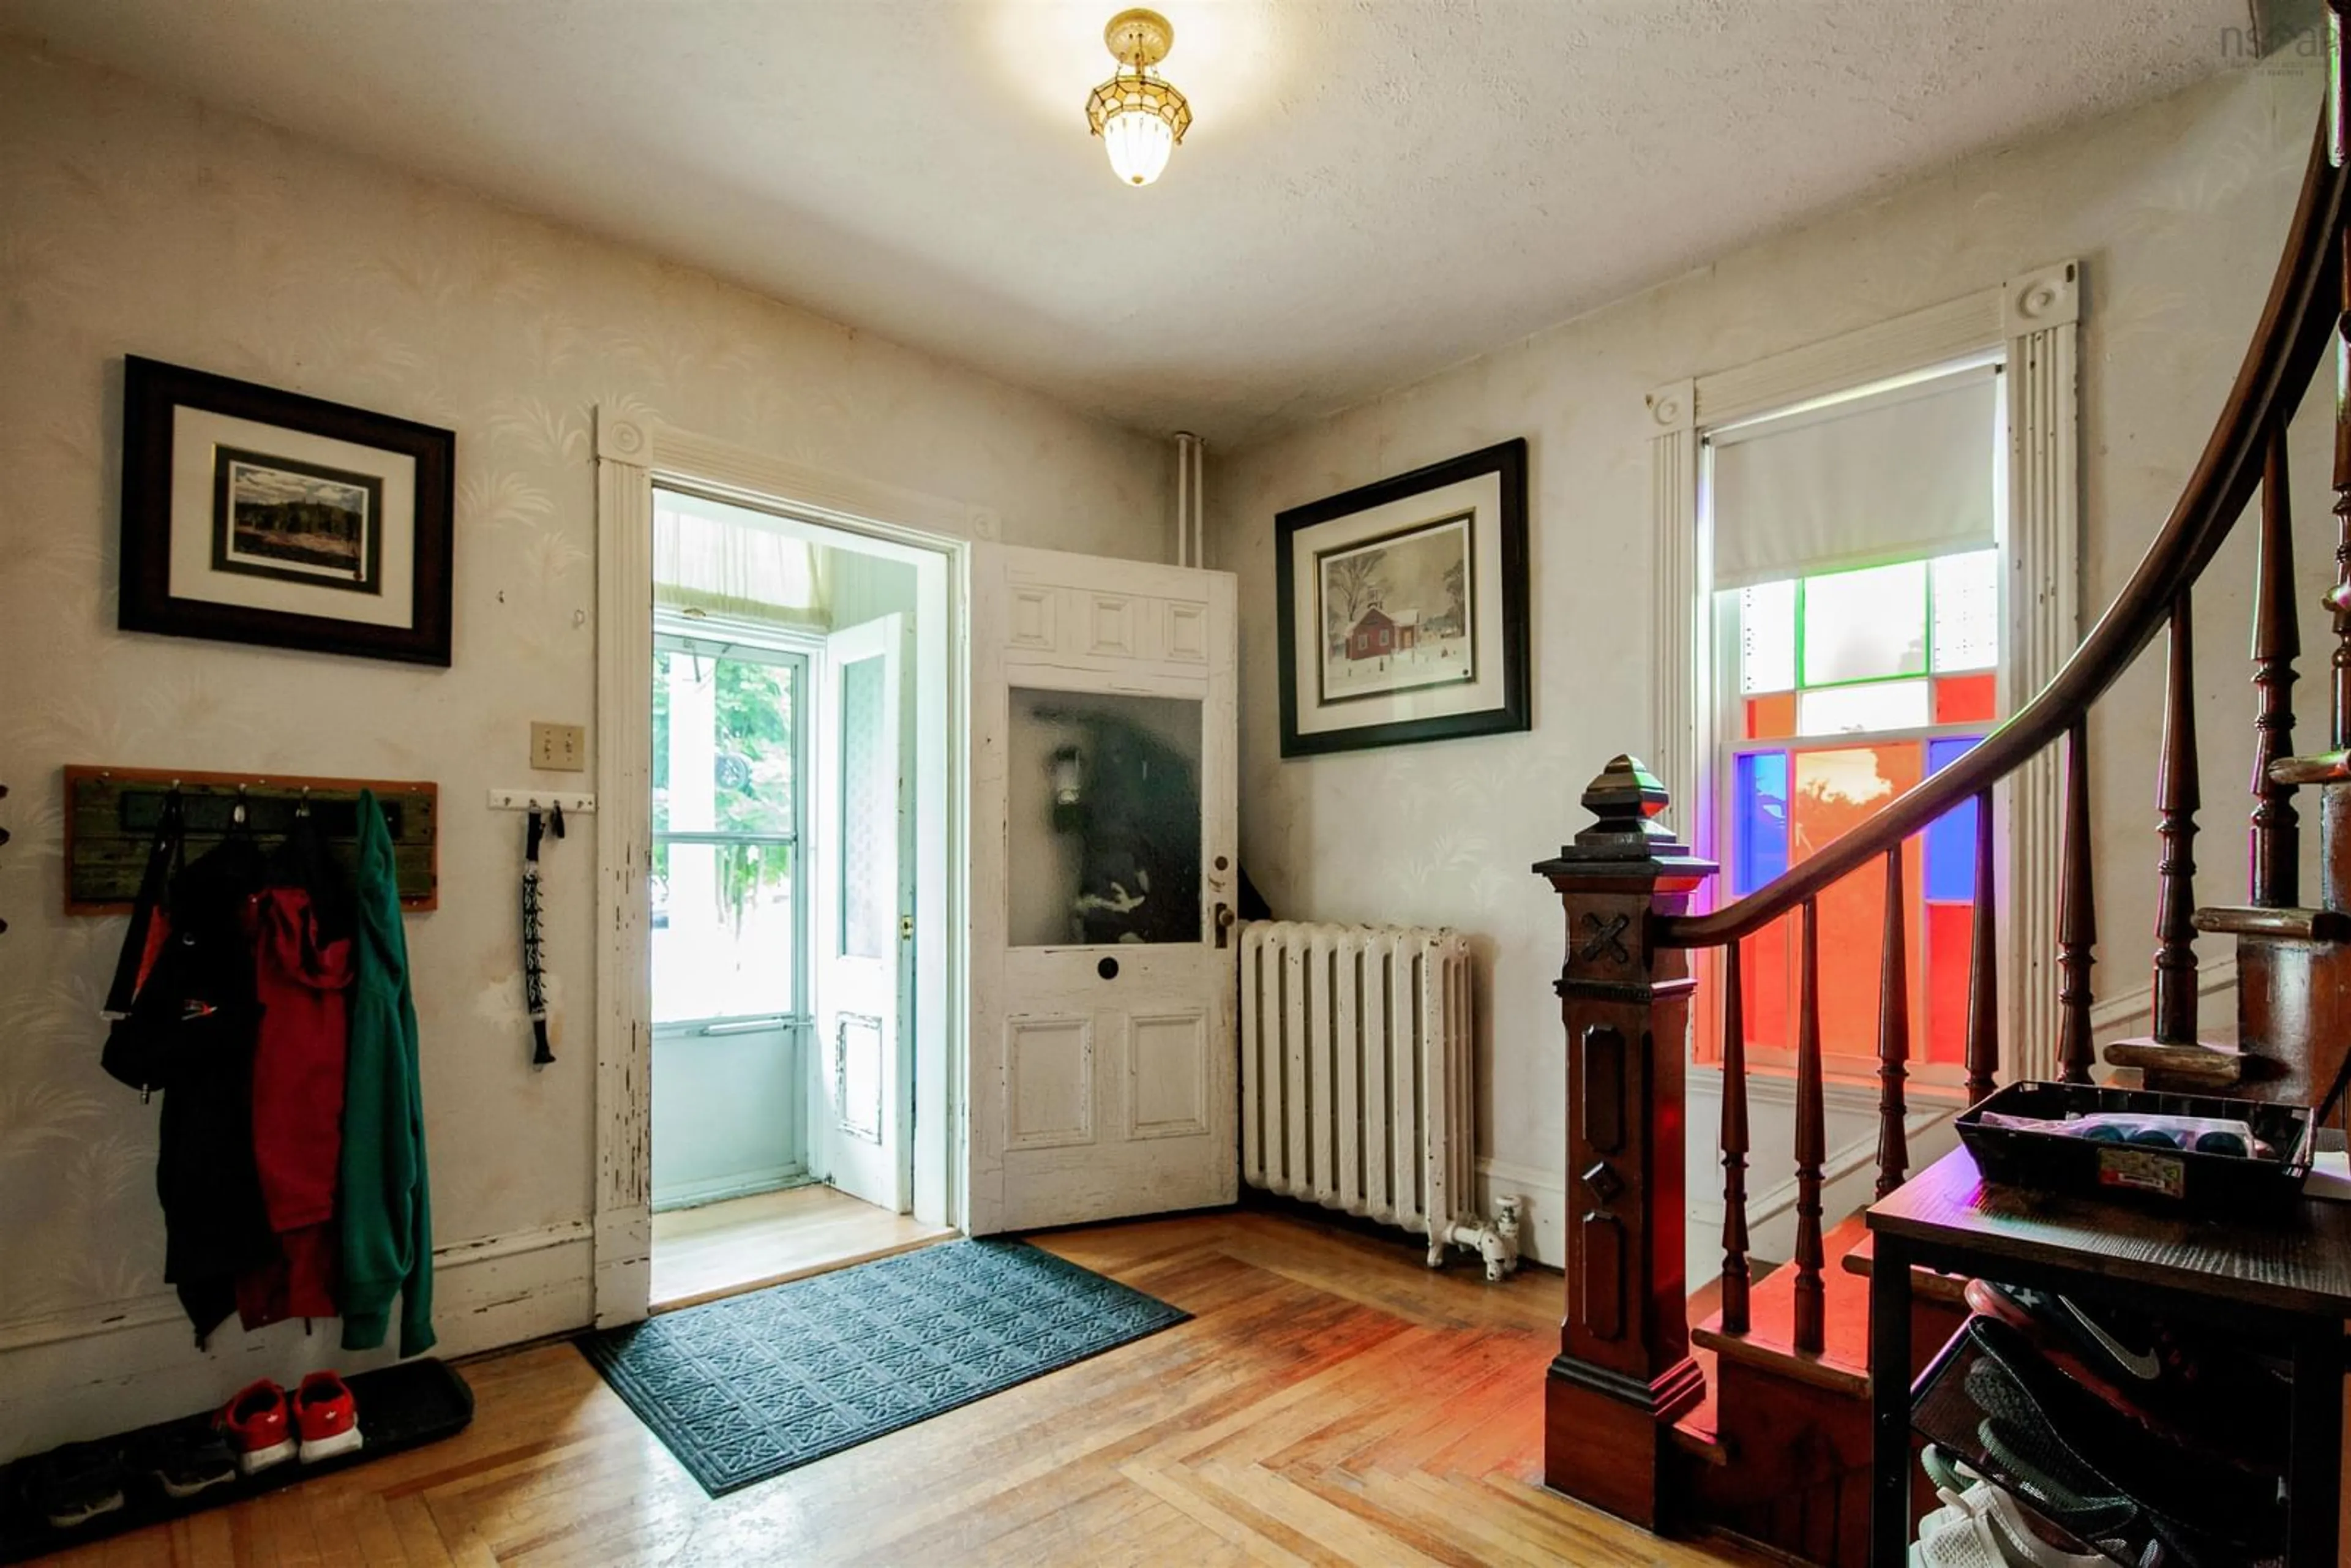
point(117, 1365)
point(694, 1195)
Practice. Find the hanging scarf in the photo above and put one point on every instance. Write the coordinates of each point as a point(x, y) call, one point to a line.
point(534, 970)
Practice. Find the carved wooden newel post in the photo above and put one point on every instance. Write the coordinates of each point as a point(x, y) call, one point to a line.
point(1623, 1373)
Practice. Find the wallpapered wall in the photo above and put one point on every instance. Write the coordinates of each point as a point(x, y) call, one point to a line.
point(2178, 211)
point(138, 222)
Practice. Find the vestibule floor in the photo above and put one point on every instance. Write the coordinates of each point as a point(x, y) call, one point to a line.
point(1331, 1401)
point(745, 1243)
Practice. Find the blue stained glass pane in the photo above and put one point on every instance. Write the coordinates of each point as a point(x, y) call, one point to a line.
point(1760, 805)
point(1952, 837)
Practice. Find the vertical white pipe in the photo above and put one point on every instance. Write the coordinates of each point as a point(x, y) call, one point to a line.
point(1191, 533)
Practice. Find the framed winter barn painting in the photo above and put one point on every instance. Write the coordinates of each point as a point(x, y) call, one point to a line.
point(1404, 607)
point(252, 515)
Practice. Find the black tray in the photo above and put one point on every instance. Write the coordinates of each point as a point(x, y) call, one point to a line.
point(400, 1407)
point(2176, 1181)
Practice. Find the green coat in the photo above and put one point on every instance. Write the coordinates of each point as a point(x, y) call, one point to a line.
point(386, 1210)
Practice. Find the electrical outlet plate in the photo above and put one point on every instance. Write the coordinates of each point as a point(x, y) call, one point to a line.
point(558, 748)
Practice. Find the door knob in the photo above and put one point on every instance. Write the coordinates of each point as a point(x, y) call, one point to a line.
point(1224, 922)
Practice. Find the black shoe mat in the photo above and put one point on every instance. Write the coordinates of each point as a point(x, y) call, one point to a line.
point(400, 1407)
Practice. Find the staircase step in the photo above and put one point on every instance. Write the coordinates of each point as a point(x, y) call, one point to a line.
point(2302, 924)
point(2203, 1066)
point(1926, 1284)
point(2333, 767)
point(1697, 1433)
point(1842, 1366)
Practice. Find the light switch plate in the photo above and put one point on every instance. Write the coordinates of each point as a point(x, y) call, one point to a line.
point(561, 747)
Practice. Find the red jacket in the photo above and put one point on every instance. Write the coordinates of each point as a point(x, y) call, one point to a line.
point(303, 984)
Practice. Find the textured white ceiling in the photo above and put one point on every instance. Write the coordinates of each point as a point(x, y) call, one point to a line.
point(1373, 189)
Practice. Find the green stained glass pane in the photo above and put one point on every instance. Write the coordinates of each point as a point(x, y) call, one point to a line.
point(1767, 637)
point(1866, 626)
point(1966, 612)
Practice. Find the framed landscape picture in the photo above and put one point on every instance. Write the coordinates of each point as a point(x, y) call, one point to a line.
point(1404, 607)
point(252, 515)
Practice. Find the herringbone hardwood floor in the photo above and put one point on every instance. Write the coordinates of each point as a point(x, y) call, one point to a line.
point(1330, 1402)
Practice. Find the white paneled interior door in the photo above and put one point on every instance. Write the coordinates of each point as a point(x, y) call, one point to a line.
point(864, 912)
point(1102, 883)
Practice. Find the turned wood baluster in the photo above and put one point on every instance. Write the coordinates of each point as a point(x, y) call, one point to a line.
point(1983, 967)
point(2078, 918)
point(2338, 599)
point(2275, 858)
point(1735, 1273)
point(2177, 797)
point(1893, 1034)
point(1811, 1141)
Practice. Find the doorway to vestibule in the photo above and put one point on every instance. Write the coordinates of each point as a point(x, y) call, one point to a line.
point(786, 857)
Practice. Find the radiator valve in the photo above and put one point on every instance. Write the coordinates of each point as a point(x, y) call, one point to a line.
point(1496, 1241)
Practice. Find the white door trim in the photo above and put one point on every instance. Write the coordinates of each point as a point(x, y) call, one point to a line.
point(631, 455)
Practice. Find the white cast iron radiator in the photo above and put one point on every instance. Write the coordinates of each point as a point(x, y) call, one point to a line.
point(1357, 1089)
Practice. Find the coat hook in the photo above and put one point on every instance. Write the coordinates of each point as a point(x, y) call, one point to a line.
point(236, 816)
point(302, 807)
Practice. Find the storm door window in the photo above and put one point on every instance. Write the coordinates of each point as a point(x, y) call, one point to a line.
point(727, 831)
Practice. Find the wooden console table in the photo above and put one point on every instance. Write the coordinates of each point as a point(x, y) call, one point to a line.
point(2288, 1285)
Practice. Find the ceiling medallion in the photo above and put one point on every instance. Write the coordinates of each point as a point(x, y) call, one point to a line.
point(1139, 115)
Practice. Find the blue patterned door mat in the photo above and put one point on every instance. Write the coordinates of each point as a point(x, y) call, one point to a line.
point(748, 1387)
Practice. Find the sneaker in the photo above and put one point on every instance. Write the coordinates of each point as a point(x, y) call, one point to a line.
point(1986, 1528)
point(187, 1458)
point(325, 1417)
point(72, 1485)
point(2182, 1386)
point(255, 1423)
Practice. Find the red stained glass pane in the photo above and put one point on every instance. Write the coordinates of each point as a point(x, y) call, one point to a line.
point(1834, 792)
point(1763, 981)
point(1772, 717)
point(1964, 699)
point(1950, 931)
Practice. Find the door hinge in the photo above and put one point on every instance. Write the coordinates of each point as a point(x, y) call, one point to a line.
point(905, 927)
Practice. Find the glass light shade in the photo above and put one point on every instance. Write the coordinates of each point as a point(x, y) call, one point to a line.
point(1139, 143)
point(1140, 117)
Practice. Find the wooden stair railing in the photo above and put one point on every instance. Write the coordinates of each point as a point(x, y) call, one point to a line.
point(1623, 1373)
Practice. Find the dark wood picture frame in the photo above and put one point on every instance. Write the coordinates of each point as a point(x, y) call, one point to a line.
point(1508, 598)
point(151, 393)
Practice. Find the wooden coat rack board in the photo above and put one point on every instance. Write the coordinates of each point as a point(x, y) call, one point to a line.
point(111, 816)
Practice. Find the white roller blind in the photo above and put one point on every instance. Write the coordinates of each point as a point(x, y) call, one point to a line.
point(1889, 475)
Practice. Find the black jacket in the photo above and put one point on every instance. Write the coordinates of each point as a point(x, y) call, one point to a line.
point(190, 1033)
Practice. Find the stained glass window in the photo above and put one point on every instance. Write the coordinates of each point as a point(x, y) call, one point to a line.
point(1865, 625)
point(1762, 835)
point(1858, 709)
point(1966, 612)
point(1767, 637)
point(1771, 718)
point(1853, 687)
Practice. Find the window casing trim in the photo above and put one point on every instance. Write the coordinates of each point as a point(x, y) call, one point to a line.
point(2030, 321)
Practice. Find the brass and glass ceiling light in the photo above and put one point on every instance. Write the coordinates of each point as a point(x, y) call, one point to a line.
point(1139, 116)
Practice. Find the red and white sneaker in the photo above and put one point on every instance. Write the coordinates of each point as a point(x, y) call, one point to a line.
point(326, 1417)
point(256, 1425)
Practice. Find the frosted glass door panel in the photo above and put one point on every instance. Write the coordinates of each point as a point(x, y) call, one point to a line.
point(1104, 827)
point(869, 825)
